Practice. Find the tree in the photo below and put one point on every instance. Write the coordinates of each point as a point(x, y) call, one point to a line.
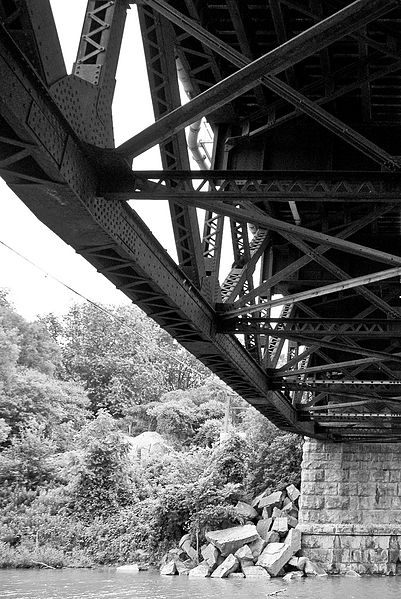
point(102, 484)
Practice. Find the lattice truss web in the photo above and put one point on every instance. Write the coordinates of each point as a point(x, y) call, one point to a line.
point(297, 306)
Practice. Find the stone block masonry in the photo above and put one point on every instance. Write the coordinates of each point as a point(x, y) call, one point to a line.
point(350, 506)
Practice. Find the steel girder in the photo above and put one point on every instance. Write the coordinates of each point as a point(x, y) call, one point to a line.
point(56, 153)
point(58, 180)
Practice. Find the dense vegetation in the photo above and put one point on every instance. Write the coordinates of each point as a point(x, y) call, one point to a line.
point(73, 393)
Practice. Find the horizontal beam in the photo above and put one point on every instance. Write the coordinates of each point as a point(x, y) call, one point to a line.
point(253, 186)
point(317, 37)
point(318, 292)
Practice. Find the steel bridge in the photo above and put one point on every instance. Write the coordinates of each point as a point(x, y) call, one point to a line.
point(304, 101)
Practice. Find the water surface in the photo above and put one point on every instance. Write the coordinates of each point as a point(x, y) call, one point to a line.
point(108, 584)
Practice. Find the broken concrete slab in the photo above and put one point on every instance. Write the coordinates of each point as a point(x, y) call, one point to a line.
point(211, 555)
point(280, 525)
point(168, 569)
point(230, 564)
point(296, 575)
point(255, 572)
point(229, 540)
point(274, 557)
point(313, 569)
point(244, 553)
point(272, 537)
point(263, 527)
point(293, 539)
point(272, 500)
point(292, 492)
point(257, 547)
point(203, 570)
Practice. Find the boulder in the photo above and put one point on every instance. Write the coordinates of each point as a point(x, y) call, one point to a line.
point(272, 537)
point(211, 555)
point(266, 513)
point(189, 550)
point(296, 575)
point(274, 557)
point(257, 547)
point(244, 553)
point(293, 539)
point(352, 573)
point(246, 563)
point(293, 492)
point(302, 561)
point(272, 500)
point(246, 510)
point(236, 575)
point(168, 569)
point(183, 567)
point(184, 539)
point(201, 571)
point(292, 522)
point(255, 572)
point(276, 513)
point(290, 509)
point(280, 525)
point(231, 539)
point(128, 569)
point(313, 569)
point(263, 527)
point(230, 564)
point(255, 502)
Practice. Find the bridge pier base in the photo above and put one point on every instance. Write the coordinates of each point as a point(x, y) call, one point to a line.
point(350, 512)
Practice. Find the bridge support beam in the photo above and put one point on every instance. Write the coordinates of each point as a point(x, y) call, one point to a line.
point(351, 506)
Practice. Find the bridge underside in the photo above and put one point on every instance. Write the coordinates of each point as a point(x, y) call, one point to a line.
point(303, 101)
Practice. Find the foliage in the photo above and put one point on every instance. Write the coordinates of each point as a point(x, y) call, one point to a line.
point(102, 485)
point(71, 490)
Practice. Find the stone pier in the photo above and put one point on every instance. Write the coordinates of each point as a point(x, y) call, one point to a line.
point(350, 512)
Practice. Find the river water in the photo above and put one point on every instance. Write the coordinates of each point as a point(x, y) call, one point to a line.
point(108, 584)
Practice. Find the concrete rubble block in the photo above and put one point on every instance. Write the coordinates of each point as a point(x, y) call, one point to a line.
point(293, 492)
point(168, 569)
point(255, 572)
point(211, 555)
point(290, 509)
point(313, 569)
point(266, 513)
point(293, 562)
point(292, 522)
point(246, 510)
point(246, 563)
point(353, 574)
point(255, 502)
point(272, 537)
point(184, 566)
point(236, 575)
point(185, 545)
point(203, 570)
point(257, 547)
point(293, 539)
point(263, 527)
point(272, 500)
point(277, 513)
point(230, 564)
point(280, 525)
point(244, 553)
point(274, 557)
point(231, 539)
point(175, 554)
point(296, 575)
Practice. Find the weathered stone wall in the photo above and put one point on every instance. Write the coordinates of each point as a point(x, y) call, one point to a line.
point(350, 509)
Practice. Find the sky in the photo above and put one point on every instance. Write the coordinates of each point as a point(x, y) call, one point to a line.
point(32, 292)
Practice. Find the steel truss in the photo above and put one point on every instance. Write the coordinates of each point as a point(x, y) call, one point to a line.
point(306, 235)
